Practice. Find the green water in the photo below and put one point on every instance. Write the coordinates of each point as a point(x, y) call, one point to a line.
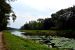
point(64, 42)
point(61, 42)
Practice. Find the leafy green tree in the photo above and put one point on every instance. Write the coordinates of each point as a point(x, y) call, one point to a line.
point(47, 23)
point(5, 10)
point(40, 24)
point(65, 18)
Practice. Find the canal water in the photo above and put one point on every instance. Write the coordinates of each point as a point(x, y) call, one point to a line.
point(61, 42)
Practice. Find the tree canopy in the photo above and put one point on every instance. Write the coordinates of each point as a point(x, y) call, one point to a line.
point(5, 10)
point(65, 18)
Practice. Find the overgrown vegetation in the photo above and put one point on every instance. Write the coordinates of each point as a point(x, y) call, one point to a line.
point(17, 43)
point(61, 33)
point(13, 42)
point(39, 32)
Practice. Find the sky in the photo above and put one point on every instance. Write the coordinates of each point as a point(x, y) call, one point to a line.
point(27, 10)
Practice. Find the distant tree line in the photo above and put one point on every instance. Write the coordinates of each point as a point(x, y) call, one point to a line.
point(40, 24)
point(63, 19)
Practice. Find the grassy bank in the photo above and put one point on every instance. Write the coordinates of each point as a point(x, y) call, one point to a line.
point(61, 33)
point(17, 43)
point(39, 32)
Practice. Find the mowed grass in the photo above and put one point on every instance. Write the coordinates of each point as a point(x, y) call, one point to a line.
point(17, 43)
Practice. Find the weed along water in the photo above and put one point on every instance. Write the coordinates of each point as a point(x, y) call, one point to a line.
point(59, 42)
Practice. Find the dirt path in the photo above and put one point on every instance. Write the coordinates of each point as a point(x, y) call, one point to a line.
point(1, 42)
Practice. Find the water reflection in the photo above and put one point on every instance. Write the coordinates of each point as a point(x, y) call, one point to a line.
point(17, 33)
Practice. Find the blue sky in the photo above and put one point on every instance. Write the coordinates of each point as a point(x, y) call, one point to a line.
point(27, 10)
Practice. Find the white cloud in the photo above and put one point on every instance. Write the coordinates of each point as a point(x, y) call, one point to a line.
point(45, 4)
point(27, 10)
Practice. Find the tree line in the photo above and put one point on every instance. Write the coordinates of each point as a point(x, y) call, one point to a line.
point(63, 19)
point(40, 24)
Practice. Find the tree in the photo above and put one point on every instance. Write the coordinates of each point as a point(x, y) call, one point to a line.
point(47, 23)
point(5, 10)
point(65, 18)
point(40, 24)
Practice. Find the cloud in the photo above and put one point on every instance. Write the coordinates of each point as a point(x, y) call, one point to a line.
point(27, 10)
point(44, 4)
